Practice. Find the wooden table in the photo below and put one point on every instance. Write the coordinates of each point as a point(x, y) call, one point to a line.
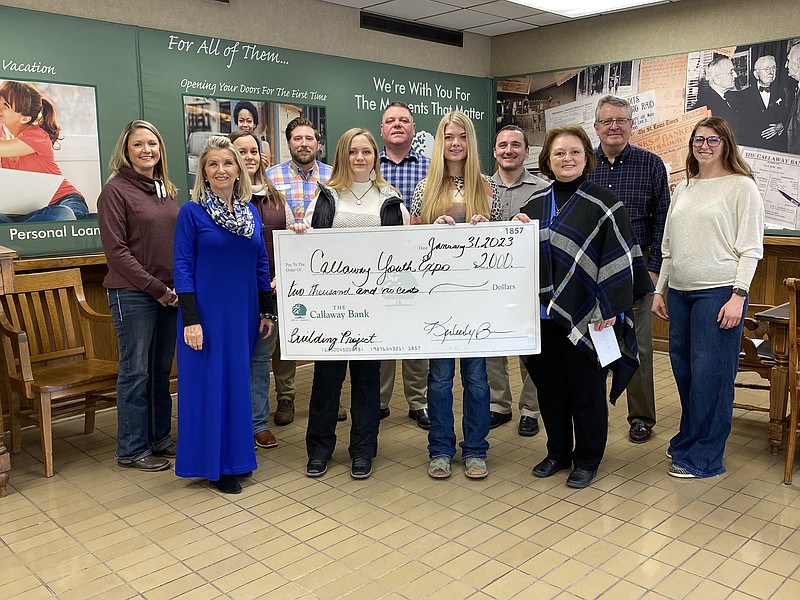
point(777, 318)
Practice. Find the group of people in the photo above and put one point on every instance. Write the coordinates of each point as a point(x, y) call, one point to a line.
point(608, 233)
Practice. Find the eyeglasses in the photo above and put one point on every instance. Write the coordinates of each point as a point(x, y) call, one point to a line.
point(712, 140)
point(561, 154)
point(618, 122)
point(768, 69)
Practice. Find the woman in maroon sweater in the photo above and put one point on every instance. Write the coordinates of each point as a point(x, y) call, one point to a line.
point(275, 214)
point(137, 210)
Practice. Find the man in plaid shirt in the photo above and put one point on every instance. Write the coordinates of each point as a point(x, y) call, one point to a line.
point(639, 179)
point(297, 180)
point(401, 165)
point(404, 168)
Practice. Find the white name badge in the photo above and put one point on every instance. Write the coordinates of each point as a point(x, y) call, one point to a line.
point(422, 291)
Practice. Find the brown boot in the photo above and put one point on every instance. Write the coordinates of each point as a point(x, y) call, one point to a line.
point(265, 439)
point(285, 413)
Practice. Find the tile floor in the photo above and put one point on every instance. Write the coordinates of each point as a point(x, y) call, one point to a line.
point(98, 531)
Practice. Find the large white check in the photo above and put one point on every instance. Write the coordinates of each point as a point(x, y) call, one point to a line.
point(422, 291)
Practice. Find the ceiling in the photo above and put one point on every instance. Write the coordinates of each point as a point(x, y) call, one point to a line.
point(484, 17)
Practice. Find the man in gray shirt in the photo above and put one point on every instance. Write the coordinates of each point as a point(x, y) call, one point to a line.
point(516, 186)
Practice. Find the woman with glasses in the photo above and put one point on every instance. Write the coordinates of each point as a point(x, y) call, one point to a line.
point(712, 243)
point(593, 288)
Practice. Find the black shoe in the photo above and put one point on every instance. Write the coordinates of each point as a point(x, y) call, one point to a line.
point(149, 463)
point(244, 475)
point(316, 468)
point(362, 468)
point(496, 419)
point(227, 484)
point(385, 412)
point(581, 478)
point(420, 415)
point(528, 426)
point(640, 432)
point(170, 451)
point(549, 467)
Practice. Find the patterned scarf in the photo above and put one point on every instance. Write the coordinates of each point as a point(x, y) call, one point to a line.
point(591, 267)
point(239, 222)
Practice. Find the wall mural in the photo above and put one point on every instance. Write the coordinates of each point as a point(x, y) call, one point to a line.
point(752, 86)
point(190, 87)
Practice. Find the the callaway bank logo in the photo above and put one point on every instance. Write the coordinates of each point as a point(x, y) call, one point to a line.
point(300, 313)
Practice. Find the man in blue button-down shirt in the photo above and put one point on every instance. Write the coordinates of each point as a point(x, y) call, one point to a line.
point(638, 178)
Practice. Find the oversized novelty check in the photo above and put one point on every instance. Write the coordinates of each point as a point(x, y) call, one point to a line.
point(422, 291)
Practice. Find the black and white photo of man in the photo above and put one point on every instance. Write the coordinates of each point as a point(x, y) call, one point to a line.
point(793, 125)
point(720, 79)
point(762, 108)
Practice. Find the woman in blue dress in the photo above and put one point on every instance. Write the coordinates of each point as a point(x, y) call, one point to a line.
point(223, 284)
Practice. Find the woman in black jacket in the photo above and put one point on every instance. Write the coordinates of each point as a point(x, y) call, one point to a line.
point(356, 195)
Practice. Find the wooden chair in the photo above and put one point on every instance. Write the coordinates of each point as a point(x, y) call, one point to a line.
point(794, 397)
point(755, 355)
point(50, 368)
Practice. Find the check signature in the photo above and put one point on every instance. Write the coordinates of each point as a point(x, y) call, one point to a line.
point(443, 330)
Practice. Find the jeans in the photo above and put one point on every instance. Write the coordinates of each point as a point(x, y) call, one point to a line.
point(704, 359)
point(475, 421)
point(146, 337)
point(323, 408)
point(76, 203)
point(259, 380)
point(67, 208)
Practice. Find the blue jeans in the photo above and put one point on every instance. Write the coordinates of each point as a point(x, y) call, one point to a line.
point(704, 359)
point(146, 337)
point(68, 208)
point(475, 421)
point(259, 380)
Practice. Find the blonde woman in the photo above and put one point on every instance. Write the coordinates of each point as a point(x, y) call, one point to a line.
point(136, 213)
point(455, 191)
point(223, 284)
point(356, 195)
